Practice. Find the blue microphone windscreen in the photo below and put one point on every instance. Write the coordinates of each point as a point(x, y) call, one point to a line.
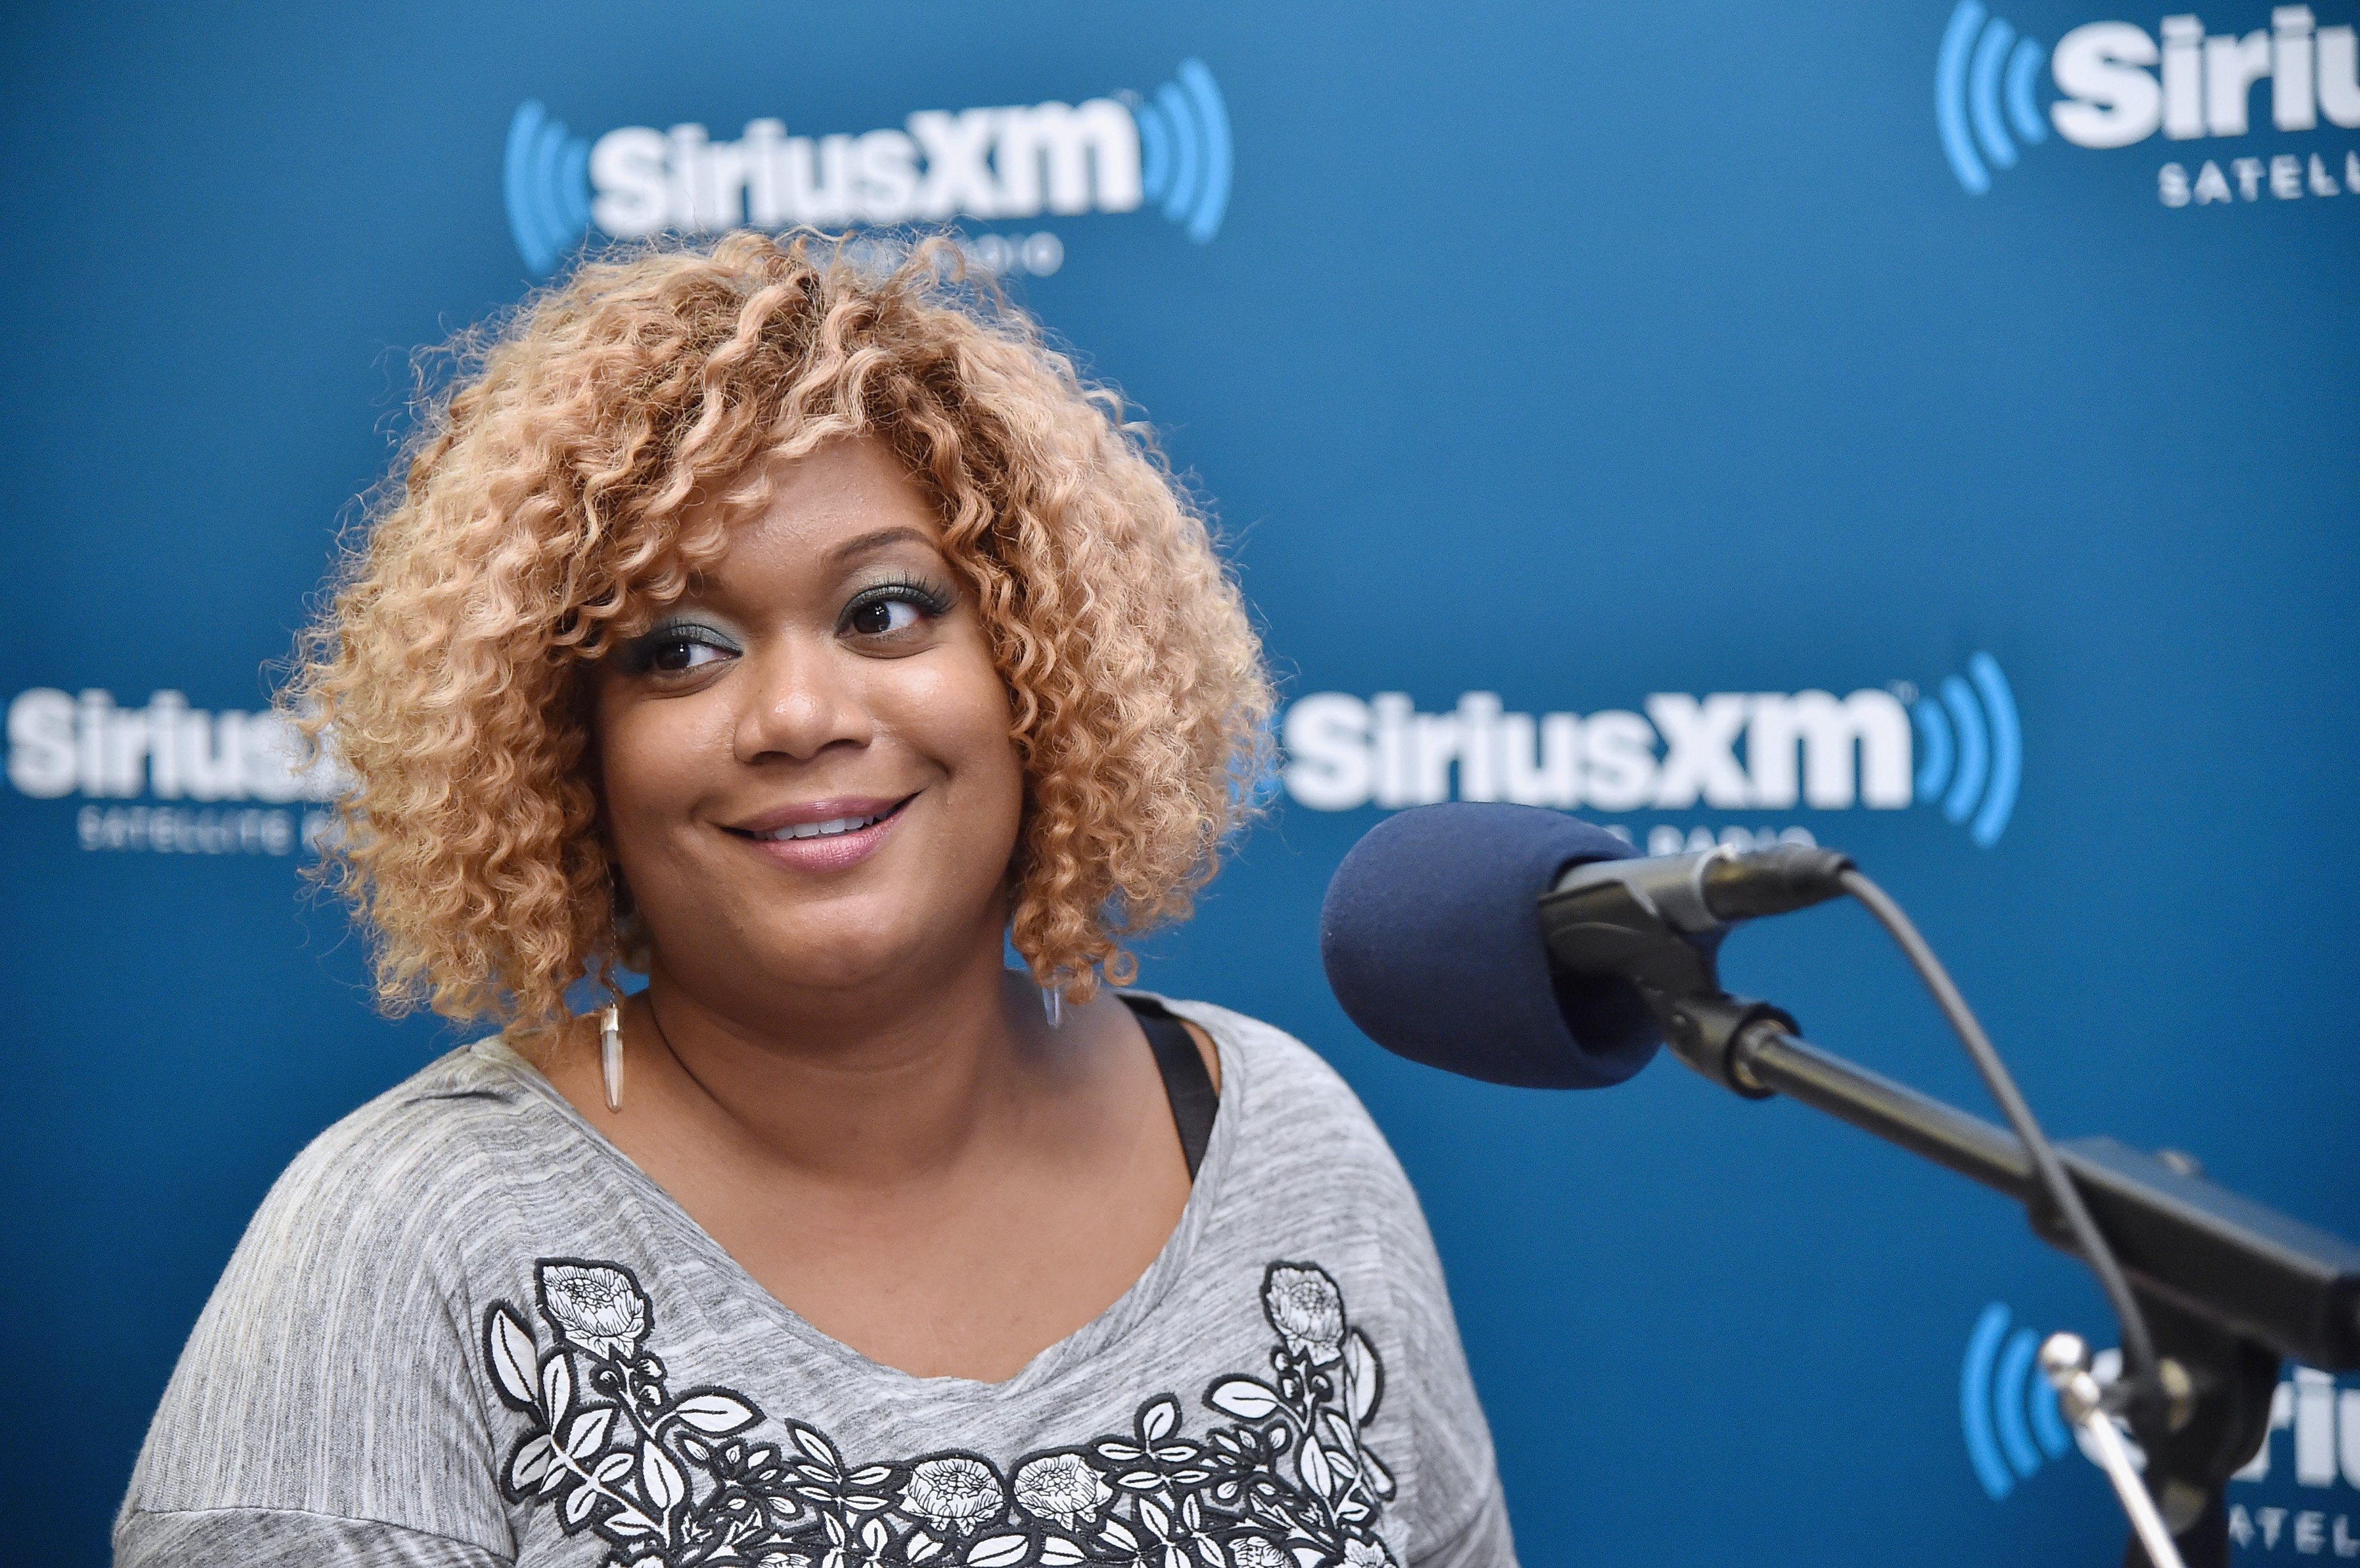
point(1431, 935)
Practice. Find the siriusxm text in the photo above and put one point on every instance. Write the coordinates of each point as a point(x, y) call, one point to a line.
point(2323, 1421)
point(1728, 750)
point(2320, 1449)
point(86, 744)
point(1012, 162)
point(2121, 83)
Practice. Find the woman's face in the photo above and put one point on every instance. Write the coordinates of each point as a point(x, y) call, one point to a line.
point(808, 776)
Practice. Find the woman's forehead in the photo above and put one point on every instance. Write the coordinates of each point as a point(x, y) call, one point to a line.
point(824, 521)
point(844, 484)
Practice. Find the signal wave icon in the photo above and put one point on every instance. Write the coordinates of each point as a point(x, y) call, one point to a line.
point(1972, 750)
point(547, 183)
point(1184, 150)
point(2006, 1409)
point(1983, 87)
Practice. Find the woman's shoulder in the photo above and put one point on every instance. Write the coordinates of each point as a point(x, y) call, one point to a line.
point(1273, 1060)
point(1289, 1094)
point(395, 1207)
point(434, 1143)
point(329, 1374)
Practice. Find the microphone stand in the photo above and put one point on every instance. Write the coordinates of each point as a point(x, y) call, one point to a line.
point(2228, 1287)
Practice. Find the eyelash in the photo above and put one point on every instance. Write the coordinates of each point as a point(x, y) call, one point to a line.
point(935, 599)
point(645, 649)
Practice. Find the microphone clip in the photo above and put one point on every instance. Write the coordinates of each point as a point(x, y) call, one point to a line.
point(1651, 922)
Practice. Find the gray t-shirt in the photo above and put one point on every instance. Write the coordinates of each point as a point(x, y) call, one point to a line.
point(465, 1330)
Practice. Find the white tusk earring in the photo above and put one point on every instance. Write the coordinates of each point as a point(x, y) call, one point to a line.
point(610, 1054)
point(1052, 1003)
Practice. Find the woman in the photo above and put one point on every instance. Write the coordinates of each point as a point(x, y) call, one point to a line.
point(802, 637)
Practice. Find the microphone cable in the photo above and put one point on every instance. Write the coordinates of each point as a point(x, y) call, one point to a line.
point(2138, 1347)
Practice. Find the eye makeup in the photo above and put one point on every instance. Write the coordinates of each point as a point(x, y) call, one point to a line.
point(931, 597)
point(675, 644)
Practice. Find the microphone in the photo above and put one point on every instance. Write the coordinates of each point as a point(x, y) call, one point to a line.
point(1599, 916)
point(1512, 944)
point(1434, 941)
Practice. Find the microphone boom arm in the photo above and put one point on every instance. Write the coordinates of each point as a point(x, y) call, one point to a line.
point(2207, 1250)
point(2181, 1238)
point(2226, 1285)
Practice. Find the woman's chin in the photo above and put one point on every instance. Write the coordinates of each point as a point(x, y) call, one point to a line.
point(817, 965)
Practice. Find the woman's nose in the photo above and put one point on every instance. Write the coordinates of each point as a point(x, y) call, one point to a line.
point(796, 703)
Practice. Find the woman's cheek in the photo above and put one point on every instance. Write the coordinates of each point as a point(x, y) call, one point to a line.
point(986, 740)
point(965, 717)
point(954, 711)
point(653, 757)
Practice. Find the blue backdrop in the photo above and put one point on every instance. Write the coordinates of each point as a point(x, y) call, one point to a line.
point(1655, 365)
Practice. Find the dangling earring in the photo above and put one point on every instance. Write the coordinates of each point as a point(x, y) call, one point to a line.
point(610, 1054)
point(1053, 1004)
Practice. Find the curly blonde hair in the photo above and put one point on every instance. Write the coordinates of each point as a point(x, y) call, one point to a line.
point(579, 471)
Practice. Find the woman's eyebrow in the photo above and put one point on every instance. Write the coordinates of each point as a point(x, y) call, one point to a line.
point(865, 544)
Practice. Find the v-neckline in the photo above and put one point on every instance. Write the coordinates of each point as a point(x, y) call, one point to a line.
point(1118, 1319)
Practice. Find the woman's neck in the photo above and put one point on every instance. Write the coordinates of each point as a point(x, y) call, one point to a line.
point(931, 1173)
point(872, 1088)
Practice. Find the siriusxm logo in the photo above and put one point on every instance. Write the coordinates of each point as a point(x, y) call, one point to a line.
point(1728, 750)
point(1106, 155)
point(1975, 749)
point(168, 777)
point(2009, 1414)
point(2118, 85)
point(1982, 66)
point(2005, 1406)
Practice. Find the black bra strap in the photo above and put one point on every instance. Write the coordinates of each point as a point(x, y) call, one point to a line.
point(1186, 1083)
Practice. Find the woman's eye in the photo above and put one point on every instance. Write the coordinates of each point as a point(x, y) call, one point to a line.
point(677, 655)
point(882, 617)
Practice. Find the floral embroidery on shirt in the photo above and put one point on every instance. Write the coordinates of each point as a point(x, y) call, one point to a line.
point(679, 1478)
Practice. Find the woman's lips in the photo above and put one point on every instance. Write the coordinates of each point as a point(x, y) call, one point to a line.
point(830, 844)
